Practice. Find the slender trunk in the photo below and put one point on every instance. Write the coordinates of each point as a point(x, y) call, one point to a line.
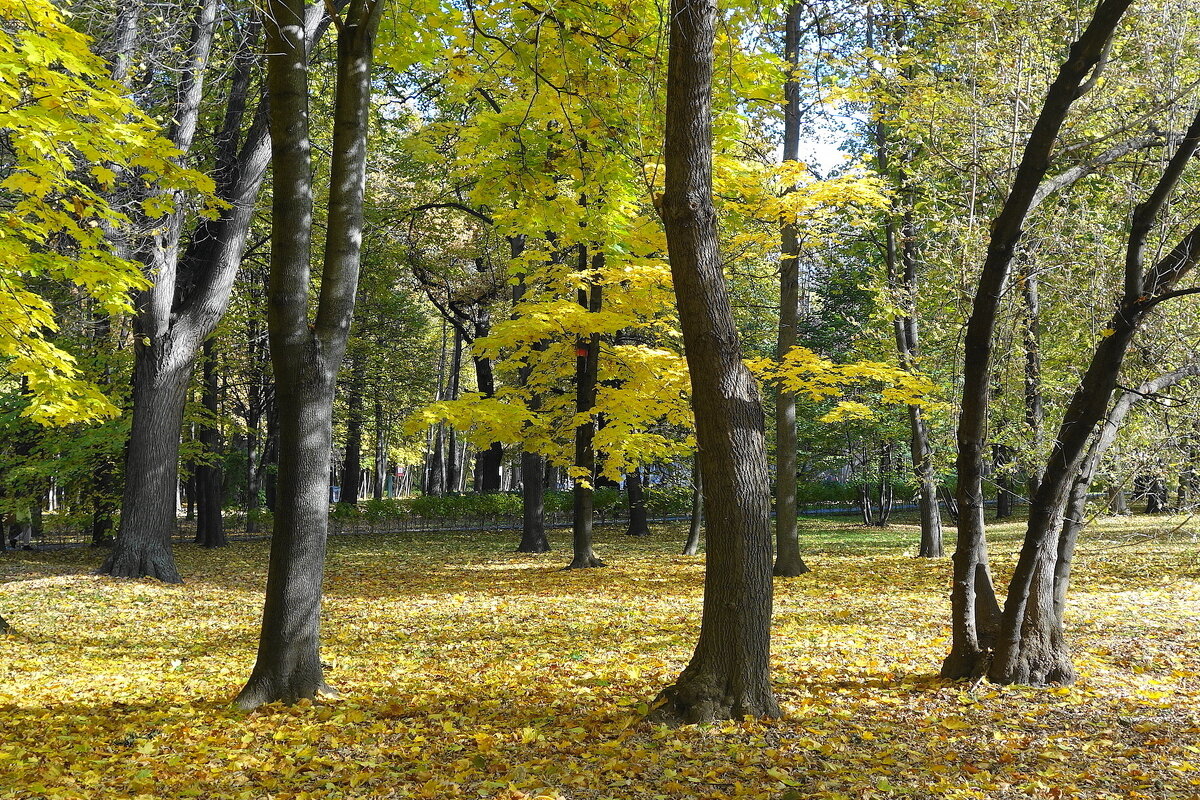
point(788, 562)
point(210, 527)
point(638, 524)
point(352, 465)
point(586, 366)
point(1034, 408)
point(489, 460)
point(696, 521)
point(453, 468)
point(533, 466)
point(381, 453)
point(972, 587)
point(728, 676)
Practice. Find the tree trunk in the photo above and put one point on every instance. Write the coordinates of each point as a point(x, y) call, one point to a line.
point(696, 520)
point(638, 524)
point(489, 460)
point(305, 356)
point(352, 465)
point(586, 366)
point(143, 545)
point(533, 526)
point(728, 676)
point(1034, 407)
point(972, 587)
point(453, 470)
point(788, 562)
point(1031, 647)
point(381, 452)
point(210, 527)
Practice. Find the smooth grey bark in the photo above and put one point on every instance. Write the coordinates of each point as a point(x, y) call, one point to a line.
point(788, 562)
point(305, 354)
point(972, 590)
point(587, 363)
point(728, 676)
point(1032, 648)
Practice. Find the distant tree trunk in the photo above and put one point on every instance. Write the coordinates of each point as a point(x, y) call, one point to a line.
point(306, 354)
point(352, 465)
point(533, 526)
point(728, 676)
point(1002, 459)
point(788, 562)
point(696, 521)
point(452, 384)
point(586, 367)
point(210, 527)
point(1034, 407)
point(489, 460)
point(973, 596)
point(638, 523)
point(381, 453)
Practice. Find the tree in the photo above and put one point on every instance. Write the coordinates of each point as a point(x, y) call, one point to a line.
point(975, 611)
point(728, 675)
point(305, 355)
point(788, 562)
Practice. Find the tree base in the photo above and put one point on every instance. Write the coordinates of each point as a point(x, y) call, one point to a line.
point(588, 561)
point(961, 665)
point(5, 628)
point(154, 563)
point(534, 547)
point(699, 701)
point(790, 568)
point(259, 691)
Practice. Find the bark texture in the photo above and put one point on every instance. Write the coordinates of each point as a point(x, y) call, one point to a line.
point(728, 675)
point(586, 367)
point(638, 523)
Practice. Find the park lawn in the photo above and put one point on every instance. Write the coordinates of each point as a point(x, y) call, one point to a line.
point(467, 670)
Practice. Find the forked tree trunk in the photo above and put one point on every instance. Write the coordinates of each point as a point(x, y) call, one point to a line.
point(788, 562)
point(728, 675)
point(972, 587)
point(638, 522)
point(1032, 648)
point(304, 356)
point(586, 366)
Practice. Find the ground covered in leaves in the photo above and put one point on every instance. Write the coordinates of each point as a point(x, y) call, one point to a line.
point(470, 671)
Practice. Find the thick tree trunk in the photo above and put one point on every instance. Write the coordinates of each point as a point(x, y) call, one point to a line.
point(696, 520)
point(728, 676)
point(305, 356)
point(210, 526)
point(638, 523)
point(143, 545)
point(788, 562)
point(972, 585)
point(586, 366)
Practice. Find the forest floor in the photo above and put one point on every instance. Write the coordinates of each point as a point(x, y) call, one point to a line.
point(470, 671)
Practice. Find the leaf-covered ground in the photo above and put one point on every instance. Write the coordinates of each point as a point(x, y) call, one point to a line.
point(470, 671)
